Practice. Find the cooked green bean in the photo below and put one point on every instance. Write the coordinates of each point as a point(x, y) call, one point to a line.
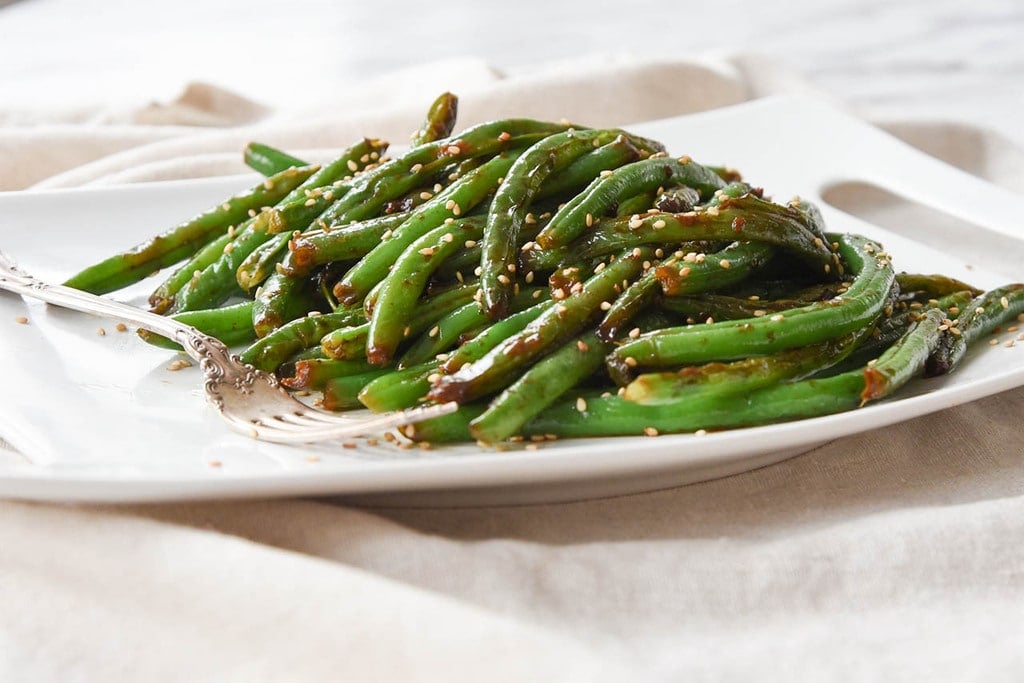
point(268, 160)
point(858, 307)
point(440, 120)
point(624, 182)
point(185, 239)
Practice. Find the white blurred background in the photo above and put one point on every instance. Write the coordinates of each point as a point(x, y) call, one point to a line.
point(938, 59)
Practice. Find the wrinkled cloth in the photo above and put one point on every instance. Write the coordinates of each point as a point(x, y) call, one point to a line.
point(896, 554)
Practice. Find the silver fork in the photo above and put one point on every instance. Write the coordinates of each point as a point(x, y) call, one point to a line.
point(250, 401)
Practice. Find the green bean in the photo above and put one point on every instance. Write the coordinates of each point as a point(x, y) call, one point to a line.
point(624, 182)
point(700, 272)
point(313, 373)
point(539, 387)
point(259, 265)
point(858, 307)
point(746, 218)
point(744, 375)
point(637, 204)
point(580, 172)
point(497, 368)
point(218, 280)
point(634, 299)
point(394, 178)
point(511, 203)
point(440, 120)
point(268, 160)
point(272, 350)
point(451, 203)
point(338, 243)
point(981, 316)
point(480, 345)
point(401, 288)
point(281, 299)
point(612, 415)
point(230, 324)
point(450, 329)
point(398, 390)
point(162, 299)
point(342, 393)
point(346, 343)
point(185, 239)
point(932, 286)
point(351, 343)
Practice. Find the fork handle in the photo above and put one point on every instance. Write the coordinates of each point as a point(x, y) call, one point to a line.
point(14, 279)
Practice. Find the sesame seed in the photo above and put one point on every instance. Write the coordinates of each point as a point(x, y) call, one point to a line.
point(449, 204)
point(684, 271)
point(759, 313)
point(658, 224)
point(504, 136)
point(121, 327)
point(712, 211)
point(447, 238)
point(954, 331)
point(700, 432)
point(352, 166)
point(979, 310)
point(529, 277)
point(599, 267)
point(1004, 302)
point(310, 202)
point(777, 317)
point(503, 279)
point(433, 331)
point(725, 263)
point(650, 431)
point(582, 345)
point(21, 320)
point(630, 361)
point(101, 332)
point(434, 377)
point(454, 150)
point(179, 364)
point(537, 294)
point(581, 404)
point(416, 168)
point(605, 173)
point(225, 206)
point(993, 342)
point(590, 220)
point(387, 234)
point(606, 305)
point(427, 251)
point(1009, 344)
point(425, 195)
point(635, 223)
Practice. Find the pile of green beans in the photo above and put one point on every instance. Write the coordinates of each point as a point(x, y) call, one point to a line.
point(554, 280)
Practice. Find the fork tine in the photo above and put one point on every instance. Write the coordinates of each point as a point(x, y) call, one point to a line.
point(339, 426)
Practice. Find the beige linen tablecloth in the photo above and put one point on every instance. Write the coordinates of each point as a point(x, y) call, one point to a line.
point(894, 555)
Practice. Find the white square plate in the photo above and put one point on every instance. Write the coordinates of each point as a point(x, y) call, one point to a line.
point(99, 418)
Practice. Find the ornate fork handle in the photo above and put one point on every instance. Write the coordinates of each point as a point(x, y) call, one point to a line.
point(201, 347)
